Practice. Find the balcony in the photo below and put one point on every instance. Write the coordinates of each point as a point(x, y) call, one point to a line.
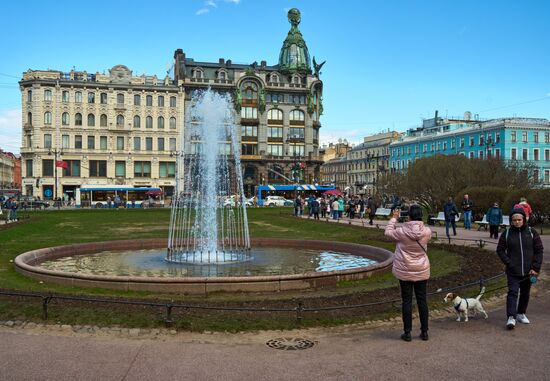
point(250, 121)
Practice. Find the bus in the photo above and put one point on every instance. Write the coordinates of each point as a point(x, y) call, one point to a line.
point(130, 197)
point(289, 191)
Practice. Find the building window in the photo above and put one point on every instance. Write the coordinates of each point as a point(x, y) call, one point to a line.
point(120, 143)
point(275, 116)
point(481, 140)
point(160, 101)
point(103, 98)
point(249, 149)
point(249, 113)
point(172, 101)
point(167, 169)
point(73, 168)
point(137, 100)
point(297, 99)
point(28, 167)
point(65, 97)
point(425, 148)
point(524, 136)
point(547, 176)
point(47, 168)
point(78, 141)
point(78, 97)
point(547, 137)
point(296, 133)
point(103, 120)
point(472, 155)
point(547, 154)
point(497, 137)
point(497, 153)
point(149, 122)
point(65, 119)
point(296, 150)
point(102, 142)
point(91, 97)
point(120, 168)
point(275, 132)
point(47, 140)
point(149, 100)
point(91, 120)
point(172, 144)
point(160, 122)
point(513, 136)
point(250, 131)
point(160, 144)
point(172, 123)
point(91, 142)
point(78, 119)
point(29, 95)
point(275, 98)
point(536, 175)
point(29, 118)
point(137, 121)
point(297, 115)
point(148, 144)
point(142, 169)
point(137, 143)
point(536, 155)
point(536, 136)
point(65, 142)
point(481, 155)
point(513, 154)
point(120, 99)
point(48, 95)
point(525, 154)
point(471, 141)
point(98, 168)
point(275, 149)
point(120, 120)
point(47, 117)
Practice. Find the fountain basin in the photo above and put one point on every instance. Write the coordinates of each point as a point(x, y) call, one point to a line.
point(28, 264)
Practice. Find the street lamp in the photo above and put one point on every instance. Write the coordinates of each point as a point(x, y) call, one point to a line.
point(57, 153)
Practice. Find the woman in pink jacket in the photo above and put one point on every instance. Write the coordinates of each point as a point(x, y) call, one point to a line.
point(411, 266)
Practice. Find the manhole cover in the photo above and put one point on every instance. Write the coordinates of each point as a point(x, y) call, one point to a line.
point(290, 343)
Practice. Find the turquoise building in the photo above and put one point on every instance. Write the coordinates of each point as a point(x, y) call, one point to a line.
point(521, 141)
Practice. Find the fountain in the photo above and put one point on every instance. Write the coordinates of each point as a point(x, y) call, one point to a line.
point(202, 229)
point(209, 246)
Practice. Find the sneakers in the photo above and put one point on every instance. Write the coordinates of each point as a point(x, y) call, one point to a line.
point(406, 336)
point(511, 323)
point(522, 319)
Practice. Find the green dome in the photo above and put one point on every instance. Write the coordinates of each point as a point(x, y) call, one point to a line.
point(294, 57)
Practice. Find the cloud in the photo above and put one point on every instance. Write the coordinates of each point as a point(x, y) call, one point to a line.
point(352, 136)
point(212, 4)
point(202, 11)
point(233, 1)
point(10, 130)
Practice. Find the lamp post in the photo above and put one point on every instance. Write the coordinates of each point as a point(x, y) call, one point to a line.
point(57, 153)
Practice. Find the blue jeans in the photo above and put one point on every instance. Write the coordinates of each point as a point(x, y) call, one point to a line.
point(468, 220)
point(450, 223)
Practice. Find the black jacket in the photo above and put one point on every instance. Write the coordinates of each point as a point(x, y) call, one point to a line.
point(520, 249)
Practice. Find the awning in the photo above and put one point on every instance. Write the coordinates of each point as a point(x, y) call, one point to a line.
point(334, 192)
point(154, 192)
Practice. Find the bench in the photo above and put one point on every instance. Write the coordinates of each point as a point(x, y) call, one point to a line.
point(383, 212)
point(441, 218)
point(483, 223)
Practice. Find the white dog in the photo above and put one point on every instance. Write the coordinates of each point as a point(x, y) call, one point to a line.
point(462, 306)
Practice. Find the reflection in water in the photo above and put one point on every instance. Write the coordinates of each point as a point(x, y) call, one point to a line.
point(151, 263)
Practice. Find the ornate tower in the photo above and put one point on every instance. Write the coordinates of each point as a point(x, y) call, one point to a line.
point(294, 57)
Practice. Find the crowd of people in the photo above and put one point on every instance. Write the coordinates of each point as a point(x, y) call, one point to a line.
point(336, 207)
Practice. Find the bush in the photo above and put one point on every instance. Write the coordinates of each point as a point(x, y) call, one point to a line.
point(483, 198)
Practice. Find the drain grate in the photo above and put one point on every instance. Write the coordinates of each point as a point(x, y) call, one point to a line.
point(290, 343)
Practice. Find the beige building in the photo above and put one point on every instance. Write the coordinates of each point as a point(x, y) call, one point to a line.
point(98, 129)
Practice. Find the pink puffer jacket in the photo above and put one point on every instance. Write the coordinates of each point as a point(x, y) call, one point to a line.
point(410, 262)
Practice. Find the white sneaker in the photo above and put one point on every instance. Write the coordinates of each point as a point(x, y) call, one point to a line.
point(522, 319)
point(511, 323)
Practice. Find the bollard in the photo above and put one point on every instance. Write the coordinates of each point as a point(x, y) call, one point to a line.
point(299, 311)
point(45, 301)
point(168, 318)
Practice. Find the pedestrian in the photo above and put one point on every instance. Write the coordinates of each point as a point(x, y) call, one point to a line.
point(494, 218)
point(520, 249)
point(315, 208)
point(450, 212)
point(371, 209)
point(466, 206)
point(411, 266)
point(335, 209)
point(523, 204)
point(297, 206)
point(340, 207)
point(323, 206)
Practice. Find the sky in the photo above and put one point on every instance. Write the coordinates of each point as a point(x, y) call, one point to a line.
point(389, 64)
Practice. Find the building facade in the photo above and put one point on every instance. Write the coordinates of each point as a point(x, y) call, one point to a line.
point(94, 129)
point(523, 142)
point(277, 109)
point(10, 171)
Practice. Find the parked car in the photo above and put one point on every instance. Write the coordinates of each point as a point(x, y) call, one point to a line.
point(30, 202)
point(277, 201)
point(230, 201)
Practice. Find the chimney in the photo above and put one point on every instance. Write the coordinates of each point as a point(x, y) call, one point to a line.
point(221, 61)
